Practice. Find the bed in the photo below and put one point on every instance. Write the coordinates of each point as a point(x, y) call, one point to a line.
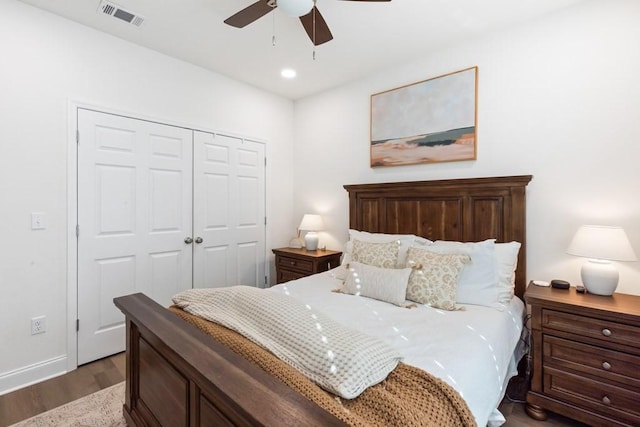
point(178, 375)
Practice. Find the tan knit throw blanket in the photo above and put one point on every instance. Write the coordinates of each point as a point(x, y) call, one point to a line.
point(408, 397)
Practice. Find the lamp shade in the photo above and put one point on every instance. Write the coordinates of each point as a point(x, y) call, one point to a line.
point(602, 242)
point(295, 8)
point(311, 223)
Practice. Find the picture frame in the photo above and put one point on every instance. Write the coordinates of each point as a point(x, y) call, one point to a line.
point(430, 121)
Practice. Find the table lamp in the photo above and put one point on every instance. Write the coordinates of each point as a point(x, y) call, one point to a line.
point(601, 244)
point(311, 224)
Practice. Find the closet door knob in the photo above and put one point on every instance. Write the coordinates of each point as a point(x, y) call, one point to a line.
point(188, 240)
point(199, 240)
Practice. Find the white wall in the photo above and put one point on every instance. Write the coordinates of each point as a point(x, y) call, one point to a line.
point(46, 62)
point(558, 99)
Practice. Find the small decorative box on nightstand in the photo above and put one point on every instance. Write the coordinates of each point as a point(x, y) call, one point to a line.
point(294, 263)
point(586, 356)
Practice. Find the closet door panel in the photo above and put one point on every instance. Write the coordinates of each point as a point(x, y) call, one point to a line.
point(229, 211)
point(134, 212)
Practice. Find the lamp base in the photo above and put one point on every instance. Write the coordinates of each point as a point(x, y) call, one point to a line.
point(599, 277)
point(311, 241)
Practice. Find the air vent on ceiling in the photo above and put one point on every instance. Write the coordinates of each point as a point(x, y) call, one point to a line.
point(110, 9)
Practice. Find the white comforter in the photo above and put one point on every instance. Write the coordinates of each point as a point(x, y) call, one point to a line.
point(472, 350)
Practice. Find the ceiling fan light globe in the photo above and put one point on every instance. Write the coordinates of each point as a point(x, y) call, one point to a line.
point(295, 8)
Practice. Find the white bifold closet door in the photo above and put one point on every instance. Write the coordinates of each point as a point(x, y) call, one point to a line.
point(161, 209)
point(229, 211)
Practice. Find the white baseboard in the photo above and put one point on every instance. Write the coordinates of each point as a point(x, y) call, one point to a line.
point(32, 374)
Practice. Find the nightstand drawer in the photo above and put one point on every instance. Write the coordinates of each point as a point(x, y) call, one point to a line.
point(604, 330)
point(297, 264)
point(620, 403)
point(286, 275)
point(603, 363)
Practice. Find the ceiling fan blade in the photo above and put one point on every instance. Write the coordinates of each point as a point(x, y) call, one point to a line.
point(249, 14)
point(322, 32)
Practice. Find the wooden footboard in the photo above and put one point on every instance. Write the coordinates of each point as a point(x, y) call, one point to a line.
point(179, 376)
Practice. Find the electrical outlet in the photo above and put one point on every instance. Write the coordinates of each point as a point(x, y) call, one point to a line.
point(38, 325)
point(38, 220)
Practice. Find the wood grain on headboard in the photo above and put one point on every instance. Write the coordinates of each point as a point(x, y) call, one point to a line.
point(466, 210)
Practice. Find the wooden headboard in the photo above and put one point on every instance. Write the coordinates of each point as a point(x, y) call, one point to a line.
point(465, 210)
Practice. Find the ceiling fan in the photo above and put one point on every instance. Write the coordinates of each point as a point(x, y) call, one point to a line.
point(310, 17)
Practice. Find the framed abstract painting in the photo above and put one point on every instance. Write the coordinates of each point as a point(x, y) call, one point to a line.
point(426, 122)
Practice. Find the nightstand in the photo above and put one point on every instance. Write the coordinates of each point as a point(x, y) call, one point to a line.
point(294, 263)
point(586, 356)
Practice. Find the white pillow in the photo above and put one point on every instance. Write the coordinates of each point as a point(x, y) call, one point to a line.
point(507, 260)
point(478, 281)
point(384, 284)
point(340, 272)
point(405, 241)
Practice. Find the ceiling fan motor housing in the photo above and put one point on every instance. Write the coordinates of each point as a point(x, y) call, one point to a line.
point(295, 8)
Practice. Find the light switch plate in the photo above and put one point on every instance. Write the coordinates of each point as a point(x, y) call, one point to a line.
point(38, 220)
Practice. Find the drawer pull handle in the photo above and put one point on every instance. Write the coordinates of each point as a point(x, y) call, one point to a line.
point(606, 332)
point(292, 262)
point(606, 401)
point(606, 366)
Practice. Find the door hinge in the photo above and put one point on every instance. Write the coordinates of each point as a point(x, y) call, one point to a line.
point(265, 161)
point(77, 137)
point(77, 325)
point(77, 230)
point(265, 220)
point(265, 281)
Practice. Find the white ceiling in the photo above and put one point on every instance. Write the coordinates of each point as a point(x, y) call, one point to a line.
point(368, 36)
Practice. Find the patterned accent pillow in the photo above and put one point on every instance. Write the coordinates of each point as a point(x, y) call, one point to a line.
point(383, 255)
point(384, 284)
point(404, 241)
point(434, 278)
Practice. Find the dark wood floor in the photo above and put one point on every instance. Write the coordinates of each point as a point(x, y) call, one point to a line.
point(41, 397)
point(89, 378)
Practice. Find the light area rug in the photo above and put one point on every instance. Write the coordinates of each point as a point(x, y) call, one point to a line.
point(100, 409)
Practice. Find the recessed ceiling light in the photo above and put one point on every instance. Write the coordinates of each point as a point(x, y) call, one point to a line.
point(288, 73)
